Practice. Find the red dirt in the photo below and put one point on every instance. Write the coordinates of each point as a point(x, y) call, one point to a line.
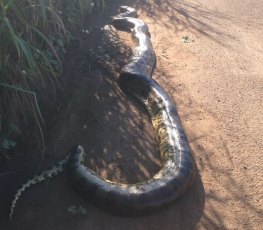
point(210, 60)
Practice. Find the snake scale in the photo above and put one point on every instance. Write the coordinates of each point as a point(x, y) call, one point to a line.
point(178, 166)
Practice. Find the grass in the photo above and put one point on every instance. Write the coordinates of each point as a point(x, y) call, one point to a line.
point(33, 37)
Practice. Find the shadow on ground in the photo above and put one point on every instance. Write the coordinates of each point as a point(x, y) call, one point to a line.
point(215, 161)
point(179, 16)
point(116, 134)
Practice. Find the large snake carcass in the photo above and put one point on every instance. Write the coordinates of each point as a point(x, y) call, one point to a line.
point(178, 167)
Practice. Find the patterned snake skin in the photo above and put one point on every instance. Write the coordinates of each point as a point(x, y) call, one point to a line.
point(178, 167)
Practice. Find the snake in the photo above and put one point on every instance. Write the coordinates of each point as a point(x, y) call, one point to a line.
point(178, 168)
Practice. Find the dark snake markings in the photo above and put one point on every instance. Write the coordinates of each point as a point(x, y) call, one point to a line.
point(178, 167)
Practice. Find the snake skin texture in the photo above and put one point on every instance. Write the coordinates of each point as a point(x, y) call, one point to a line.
point(178, 167)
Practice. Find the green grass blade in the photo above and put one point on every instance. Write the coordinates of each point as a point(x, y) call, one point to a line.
point(26, 91)
point(27, 53)
point(43, 10)
point(47, 62)
point(8, 5)
point(13, 35)
point(47, 41)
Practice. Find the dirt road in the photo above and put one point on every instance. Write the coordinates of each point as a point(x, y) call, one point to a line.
point(210, 56)
point(216, 77)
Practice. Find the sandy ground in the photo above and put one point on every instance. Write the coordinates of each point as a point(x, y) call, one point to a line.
point(217, 81)
point(210, 56)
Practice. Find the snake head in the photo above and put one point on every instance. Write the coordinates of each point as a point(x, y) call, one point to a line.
point(80, 152)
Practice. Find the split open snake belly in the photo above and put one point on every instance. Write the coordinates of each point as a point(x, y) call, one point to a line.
point(178, 166)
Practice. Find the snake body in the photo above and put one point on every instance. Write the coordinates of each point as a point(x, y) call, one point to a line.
point(178, 167)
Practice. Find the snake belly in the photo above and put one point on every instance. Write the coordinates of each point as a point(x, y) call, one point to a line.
point(177, 164)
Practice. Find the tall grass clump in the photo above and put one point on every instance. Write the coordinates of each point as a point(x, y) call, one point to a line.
point(33, 36)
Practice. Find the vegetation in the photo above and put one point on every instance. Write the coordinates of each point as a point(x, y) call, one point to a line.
point(33, 36)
